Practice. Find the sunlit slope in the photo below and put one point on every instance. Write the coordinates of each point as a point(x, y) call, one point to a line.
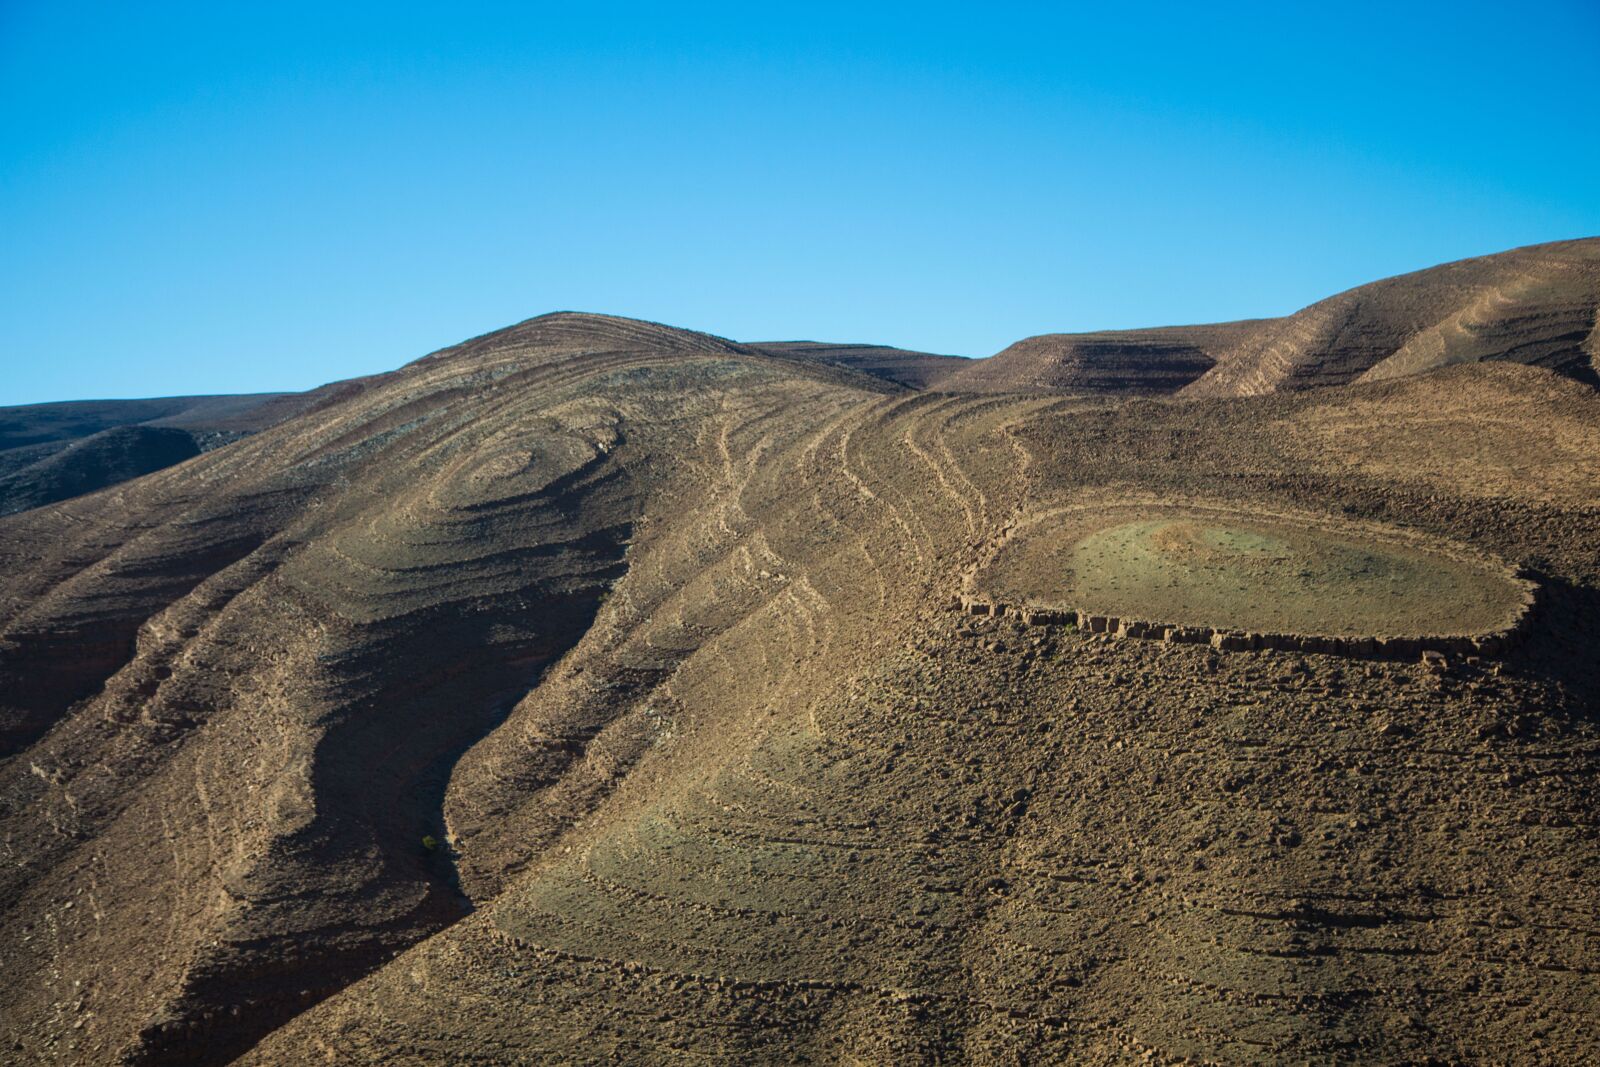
point(1534, 305)
point(282, 647)
point(594, 690)
point(834, 820)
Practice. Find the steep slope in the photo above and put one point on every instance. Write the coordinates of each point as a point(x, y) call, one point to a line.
point(235, 689)
point(782, 804)
point(596, 691)
point(915, 370)
point(1135, 362)
point(1534, 305)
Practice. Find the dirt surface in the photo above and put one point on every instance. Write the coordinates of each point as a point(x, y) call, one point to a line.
point(914, 370)
point(592, 691)
point(1114, 361)
point(1536, 306)
point(1230, 570)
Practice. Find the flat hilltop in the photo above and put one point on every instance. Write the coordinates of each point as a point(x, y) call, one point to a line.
point(600, 691)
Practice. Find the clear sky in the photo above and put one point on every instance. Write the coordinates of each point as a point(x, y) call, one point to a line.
point(233, 197)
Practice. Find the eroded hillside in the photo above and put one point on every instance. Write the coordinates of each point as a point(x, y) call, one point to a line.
point(1536, 305)
point(595, 691)
point(1114, 361)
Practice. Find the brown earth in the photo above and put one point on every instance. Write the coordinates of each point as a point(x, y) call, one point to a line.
point(593, 691)
point(1536, 305)
point(1114, 361)
point(51, 452)
point(916, 370)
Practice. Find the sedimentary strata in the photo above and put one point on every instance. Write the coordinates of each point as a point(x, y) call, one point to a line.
point(589, 692)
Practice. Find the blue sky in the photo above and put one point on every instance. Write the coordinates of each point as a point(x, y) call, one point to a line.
point(240, 197)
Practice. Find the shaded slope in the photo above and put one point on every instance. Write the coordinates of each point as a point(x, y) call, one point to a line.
point(94, 462)
point(914, 370)
point(1161, 360)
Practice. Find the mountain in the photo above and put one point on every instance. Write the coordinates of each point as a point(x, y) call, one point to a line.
point(599, 691)
point(914, 370)
point(1534, 305)
point(51, 452)
point(1152, 361)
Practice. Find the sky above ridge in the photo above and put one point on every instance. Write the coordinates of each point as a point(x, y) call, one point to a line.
point(202, 198)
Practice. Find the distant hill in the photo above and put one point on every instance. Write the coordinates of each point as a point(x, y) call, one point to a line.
point(1160, 360)
point(95, 462)
point(914, 370)
point(1534, 305)
point(56, 451)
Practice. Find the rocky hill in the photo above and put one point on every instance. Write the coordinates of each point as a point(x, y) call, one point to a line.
point(51, 452)
point(1115, 361)
point(1535, 305)
point(597, 691)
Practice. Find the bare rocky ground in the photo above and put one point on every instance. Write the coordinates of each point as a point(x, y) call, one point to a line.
point(595, 692)
point(1533, 305)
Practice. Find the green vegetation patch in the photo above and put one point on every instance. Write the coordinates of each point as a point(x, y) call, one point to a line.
point(1235, 571)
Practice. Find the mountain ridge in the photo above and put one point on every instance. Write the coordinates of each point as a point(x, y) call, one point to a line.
point(616, 681)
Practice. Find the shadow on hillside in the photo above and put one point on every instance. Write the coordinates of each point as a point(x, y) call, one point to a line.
point(1563, 645)
point(422, 692)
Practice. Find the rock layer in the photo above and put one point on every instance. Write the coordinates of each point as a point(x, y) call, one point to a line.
point(588, 692)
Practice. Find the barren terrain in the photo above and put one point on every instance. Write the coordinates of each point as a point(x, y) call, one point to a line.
point(596, 691)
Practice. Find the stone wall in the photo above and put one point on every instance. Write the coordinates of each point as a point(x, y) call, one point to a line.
point(1373, 647)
